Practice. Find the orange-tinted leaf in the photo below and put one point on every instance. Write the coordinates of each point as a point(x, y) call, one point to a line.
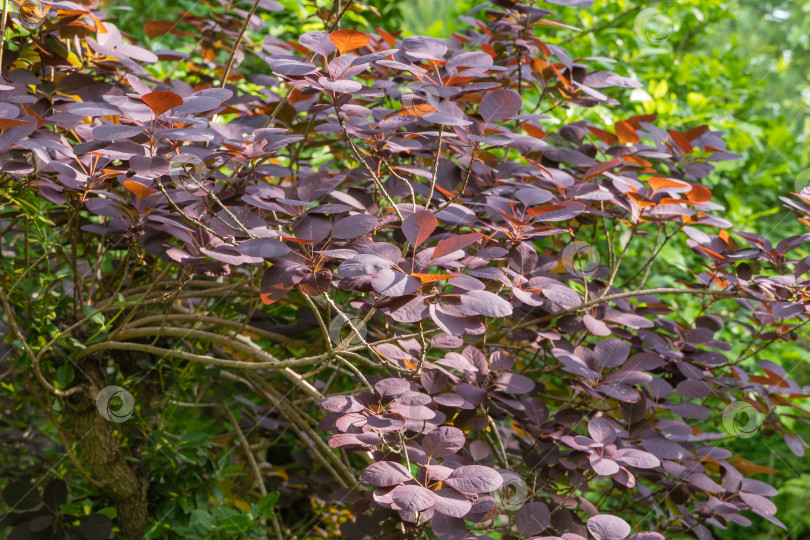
point(157, 28)
point(454, 243)
point(6, 123)
point(302, 241)
point(537, 210)
point(641, 200)
point(661, 183)
point(599, 168)
point(429, 278)
point(141, 191)
point(29, 111)
point(750, 468)
point(636, 121)
point(626, 133)
point(348, 40)
point(694, 133)
point(670, 200)
point(603, 135)
point(681, 140)
point(699, 194)
point(539, 65)
point(444, 192)
point(389, 39)
point(419, 110)
point(638, 161)
point(534, 131)
point(162, 101)
point(712, 253)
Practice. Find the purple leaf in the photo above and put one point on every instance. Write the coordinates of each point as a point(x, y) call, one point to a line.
point(390, 282)
point(385, 473)
point(448, 528)
point(116, 132)
point(318, 42)
point(413, 498)
point(611, 353)
point(601, 430)
point(532, 518)
point(362, 265)
point(486, 303)
point(603, 466)
point(354, 226)
point(632, 457)
point(443, 442)
point(392, 387)
point(607, 527)
point(341, 86)
point(514, 383)
point(263, 248)
point(500, 105)
point(474, 479)
point(449, 501)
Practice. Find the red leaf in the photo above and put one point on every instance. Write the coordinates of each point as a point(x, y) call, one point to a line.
point(635, 121)
point(599, 168)
point(681, 141)
point(604, 136)
point(694, 133)
point(157, 28)
point(454, 243)
point(6, 123)
point(419, 226)
point(162, 101)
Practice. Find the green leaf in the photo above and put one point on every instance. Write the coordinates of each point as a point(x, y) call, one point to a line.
point(64, 375)
point(89, 311)
point(202, 522)
point(264, 506)
point(198, 438)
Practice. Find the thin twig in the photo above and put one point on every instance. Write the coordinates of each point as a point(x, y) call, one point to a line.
point(435, 167)
point(3, 32)
point(236, 44)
